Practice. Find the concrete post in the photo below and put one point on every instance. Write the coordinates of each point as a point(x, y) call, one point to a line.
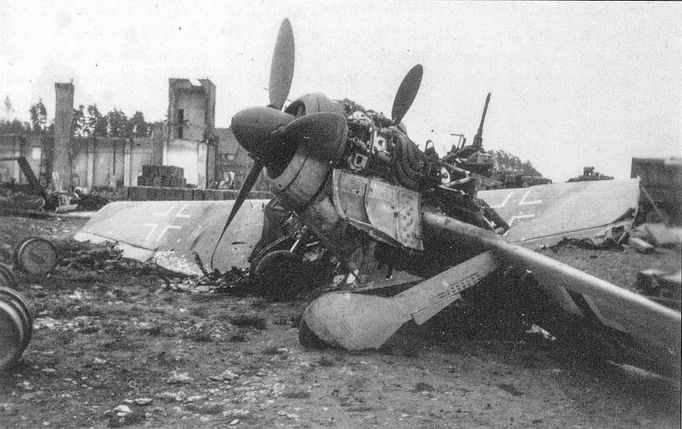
point(62, 134)
point(90, 150)
point(127, 157)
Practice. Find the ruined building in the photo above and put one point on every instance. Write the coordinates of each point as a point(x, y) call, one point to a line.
point(210, 157)
point(191, 141)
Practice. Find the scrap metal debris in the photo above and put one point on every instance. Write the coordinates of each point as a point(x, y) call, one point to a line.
point(235, 281)
point(585, 243)
point(16, 320)
point(658, 234)
point(13, 201)
point(660, 286)
point(645, 238)
point(610, 238)
point(640, 245)
point(93, 200)
point(538, 330)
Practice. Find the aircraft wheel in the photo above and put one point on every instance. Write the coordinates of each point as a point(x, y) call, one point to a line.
point(279, 274)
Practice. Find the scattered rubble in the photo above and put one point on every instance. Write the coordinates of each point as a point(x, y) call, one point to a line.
point(226, 375)
point(116, 342)
point(179, 378)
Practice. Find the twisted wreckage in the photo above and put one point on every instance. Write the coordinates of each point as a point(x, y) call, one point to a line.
point(359, 188)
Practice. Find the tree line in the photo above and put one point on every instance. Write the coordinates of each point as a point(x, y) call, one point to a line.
point(87, 122)
point(511, 163)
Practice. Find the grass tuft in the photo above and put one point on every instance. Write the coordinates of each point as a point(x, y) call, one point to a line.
point(246, 321)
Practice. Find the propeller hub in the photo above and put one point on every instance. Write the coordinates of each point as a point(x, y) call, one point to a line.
point(256, 128)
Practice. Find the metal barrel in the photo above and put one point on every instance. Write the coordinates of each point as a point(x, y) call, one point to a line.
point(35, 255)
point(23, 308)
point(7, 278)
point(16, 320)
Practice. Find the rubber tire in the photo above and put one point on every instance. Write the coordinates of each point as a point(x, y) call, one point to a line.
point(279, 273)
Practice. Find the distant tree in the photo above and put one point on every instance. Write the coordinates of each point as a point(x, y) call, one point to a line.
point(95, 123)
point(159, 126)
point(8, 107)
point(529, 170)
point(119, 126)
point(38, 114)
point(114, 124)
point(78, 123)
point(14, 127)
point(510, 163)
point(140, 127)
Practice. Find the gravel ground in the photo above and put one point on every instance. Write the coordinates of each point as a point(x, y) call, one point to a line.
point(124, 345)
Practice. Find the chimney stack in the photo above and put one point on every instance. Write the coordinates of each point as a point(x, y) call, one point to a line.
point(62, 134)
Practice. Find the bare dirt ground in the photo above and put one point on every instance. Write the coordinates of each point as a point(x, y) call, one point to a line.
point(124, 337)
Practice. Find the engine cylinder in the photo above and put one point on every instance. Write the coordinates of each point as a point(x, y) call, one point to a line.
point(319, 144)
point(300, 181)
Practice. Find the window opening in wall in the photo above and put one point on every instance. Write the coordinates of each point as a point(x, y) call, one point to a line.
point(181, 122)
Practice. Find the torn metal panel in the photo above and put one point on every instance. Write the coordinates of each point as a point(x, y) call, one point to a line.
point(170, 231)
point(387, 212)
point(545, 214)
point(357, 322)
point(434, 294)
point(395, 211)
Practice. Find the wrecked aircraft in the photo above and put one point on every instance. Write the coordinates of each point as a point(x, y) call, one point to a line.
point(365, 192)
point(354, 178)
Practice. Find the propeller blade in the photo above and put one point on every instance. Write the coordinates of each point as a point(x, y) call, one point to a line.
point(406, 93)
point(243, 193)
point(245, 189)
point(323, 133)
point(282, 68)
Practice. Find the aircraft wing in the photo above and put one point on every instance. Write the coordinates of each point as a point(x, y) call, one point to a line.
point(169, 232)
point(545, 214)
point(648, 323)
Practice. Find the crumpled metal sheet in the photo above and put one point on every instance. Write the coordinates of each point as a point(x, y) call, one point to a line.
point(545, 214)
point(394, 210)
point(387, 212)
point(169, 232)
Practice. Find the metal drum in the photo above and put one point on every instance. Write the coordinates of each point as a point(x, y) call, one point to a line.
point(16, 320)
point(7, 278)
point(35, 255)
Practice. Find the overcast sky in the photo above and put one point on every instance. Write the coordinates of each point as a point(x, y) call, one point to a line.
point(573, 84)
